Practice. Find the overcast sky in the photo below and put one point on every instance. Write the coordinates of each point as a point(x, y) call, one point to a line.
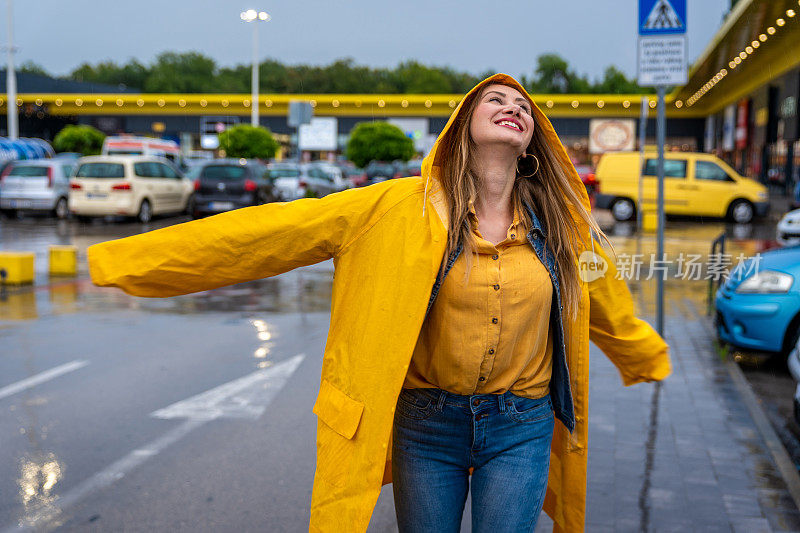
point(470, 35)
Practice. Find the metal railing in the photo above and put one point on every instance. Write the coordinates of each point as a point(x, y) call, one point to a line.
point(717, 250)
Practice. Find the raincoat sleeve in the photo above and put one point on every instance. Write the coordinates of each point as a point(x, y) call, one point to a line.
point(241, 245)
point(634, 347)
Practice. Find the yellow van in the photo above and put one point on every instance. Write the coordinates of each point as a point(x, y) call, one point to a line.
point(695, 184)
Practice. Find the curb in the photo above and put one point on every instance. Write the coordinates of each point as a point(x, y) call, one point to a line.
point(776, 449)
point(782, 460)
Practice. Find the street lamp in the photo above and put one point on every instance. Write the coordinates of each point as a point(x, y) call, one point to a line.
point(251, 15)
point(11, 79)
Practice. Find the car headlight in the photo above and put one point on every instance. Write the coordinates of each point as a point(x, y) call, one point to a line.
point(763, 195)
point(766, 282)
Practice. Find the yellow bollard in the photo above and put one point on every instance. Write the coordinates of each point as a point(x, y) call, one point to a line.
point(63, 260)
point(17, 266)
point(649, 221)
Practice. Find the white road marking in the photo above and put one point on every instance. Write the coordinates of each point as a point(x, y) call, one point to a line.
point(246, 397)
point(40, 378)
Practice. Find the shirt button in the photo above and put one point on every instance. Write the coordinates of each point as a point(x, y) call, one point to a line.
point(495, 256)
point(496, 287)
point(481, 378)
point(494, 320)
point(513, 236)
point(491, 351)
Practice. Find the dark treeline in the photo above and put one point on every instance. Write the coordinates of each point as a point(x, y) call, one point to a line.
point(192, 72)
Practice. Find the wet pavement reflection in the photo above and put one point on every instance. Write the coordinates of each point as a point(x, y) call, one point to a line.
point(261, 314)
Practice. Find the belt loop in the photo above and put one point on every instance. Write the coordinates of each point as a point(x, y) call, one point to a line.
point(501, 402)
point(440, 402)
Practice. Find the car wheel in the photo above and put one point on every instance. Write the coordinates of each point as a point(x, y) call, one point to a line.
point(623, 209)
point(61, 210)
point(791, 338)
point(190, 205)
point(741, 212)
point(145, 212)
point(796, 411)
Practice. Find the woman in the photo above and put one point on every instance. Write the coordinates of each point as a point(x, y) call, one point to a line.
point(394, 246)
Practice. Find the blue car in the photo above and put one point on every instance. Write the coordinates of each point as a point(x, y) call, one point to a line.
point(758, 306)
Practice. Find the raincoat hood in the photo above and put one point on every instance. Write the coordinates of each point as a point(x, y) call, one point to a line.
point(432, 164)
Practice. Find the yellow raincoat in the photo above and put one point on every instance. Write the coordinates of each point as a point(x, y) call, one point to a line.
point(387, 242)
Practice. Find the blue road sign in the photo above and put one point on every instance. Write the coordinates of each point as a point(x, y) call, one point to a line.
point(662, 17)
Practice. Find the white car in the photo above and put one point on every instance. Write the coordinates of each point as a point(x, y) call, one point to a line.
point(134, 186)
point(788, 233)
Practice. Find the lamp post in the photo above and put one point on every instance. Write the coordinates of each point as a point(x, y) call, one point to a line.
point(251, 15)
point(11, 79)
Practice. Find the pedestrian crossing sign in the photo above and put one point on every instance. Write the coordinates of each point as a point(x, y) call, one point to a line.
point(662, 17)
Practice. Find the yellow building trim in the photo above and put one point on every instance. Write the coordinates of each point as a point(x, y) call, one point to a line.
point(758, 43)
point(367, 105)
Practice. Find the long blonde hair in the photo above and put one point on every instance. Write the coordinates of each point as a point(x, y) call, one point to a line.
point(548, 193)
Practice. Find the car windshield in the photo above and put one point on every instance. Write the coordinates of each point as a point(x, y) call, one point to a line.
point(284, 172)
point(125, 152)
point(382, 169)
point(28, 171)
point(223, 172)
point(100, 170)
point(194, 172)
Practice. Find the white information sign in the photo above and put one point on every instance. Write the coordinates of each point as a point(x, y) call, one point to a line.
point(662, 60)
point(662, 42)
point(320, 134)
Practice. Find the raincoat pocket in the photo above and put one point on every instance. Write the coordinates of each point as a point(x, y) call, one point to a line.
point(339, 416)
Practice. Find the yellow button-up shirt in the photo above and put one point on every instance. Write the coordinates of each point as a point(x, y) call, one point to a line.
point(490, 333)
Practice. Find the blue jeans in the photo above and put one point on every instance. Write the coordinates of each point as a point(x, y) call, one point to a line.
point(438, 436)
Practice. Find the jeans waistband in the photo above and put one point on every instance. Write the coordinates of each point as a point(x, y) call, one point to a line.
point(468, 401)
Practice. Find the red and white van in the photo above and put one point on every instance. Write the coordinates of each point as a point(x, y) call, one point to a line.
point(131, 145)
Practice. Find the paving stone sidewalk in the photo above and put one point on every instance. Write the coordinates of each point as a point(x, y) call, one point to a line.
point(685, 456)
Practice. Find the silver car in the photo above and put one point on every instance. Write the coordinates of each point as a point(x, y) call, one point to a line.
point(36, 185)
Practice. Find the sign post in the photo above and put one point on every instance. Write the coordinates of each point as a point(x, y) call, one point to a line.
point(300, 113)
point(662, 62)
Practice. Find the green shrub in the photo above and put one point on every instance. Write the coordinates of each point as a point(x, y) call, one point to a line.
point(249, 142)
point(380, 141)
point(85, 140)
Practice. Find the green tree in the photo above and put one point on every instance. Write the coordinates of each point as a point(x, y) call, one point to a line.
point(188, 72)
point(378, 140)
point(248, 141)
point(132, 74)
point(615, 82)
point(553, 76)
point(31, 67)
point(85, 140)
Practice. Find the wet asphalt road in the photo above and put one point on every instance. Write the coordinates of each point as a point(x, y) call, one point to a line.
point(119, 441)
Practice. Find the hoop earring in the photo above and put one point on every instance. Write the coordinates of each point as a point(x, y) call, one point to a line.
point(521, 175)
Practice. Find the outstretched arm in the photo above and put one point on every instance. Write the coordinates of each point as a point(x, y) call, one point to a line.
point(634, 347)
point(241, 245)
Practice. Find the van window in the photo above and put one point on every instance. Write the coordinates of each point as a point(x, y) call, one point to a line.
point(673, 168)
point(100, 170)
point(125, 152)
point(706, 170)
point(28, 172)
point(146, 170)
point(67, 169)
point(167, 171)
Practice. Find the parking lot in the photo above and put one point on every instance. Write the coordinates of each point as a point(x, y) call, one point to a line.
point(117, 422)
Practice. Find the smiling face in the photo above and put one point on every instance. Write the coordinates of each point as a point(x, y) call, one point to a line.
point(503, 117)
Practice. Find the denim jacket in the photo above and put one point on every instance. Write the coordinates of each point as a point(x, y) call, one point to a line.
point(560, 392)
